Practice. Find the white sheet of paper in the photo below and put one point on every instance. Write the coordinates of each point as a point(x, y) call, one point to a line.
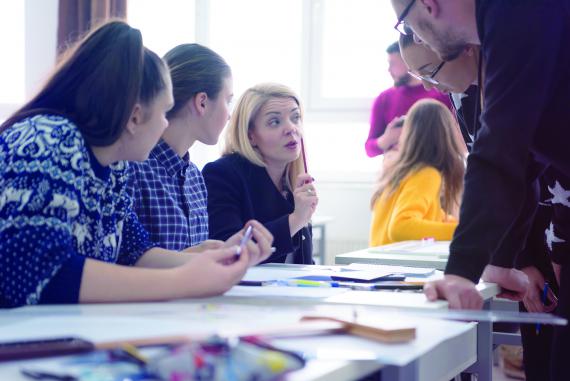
point(269, 273)
point(285, 292)
point(405, 270)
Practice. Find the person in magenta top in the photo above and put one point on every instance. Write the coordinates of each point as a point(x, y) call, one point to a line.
point(394, 103)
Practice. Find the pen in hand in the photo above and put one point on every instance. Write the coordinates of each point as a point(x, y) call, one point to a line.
point(246, 237)
point(304, 156)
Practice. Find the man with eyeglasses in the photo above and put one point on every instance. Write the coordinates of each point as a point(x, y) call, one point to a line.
point(525, 121)
point(393, 103)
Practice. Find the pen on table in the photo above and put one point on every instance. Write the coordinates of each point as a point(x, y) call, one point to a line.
point(357, 286)
point(289, 283)
point(302, 283)
point(543, 301)
point(133, 354)
point(48, 375)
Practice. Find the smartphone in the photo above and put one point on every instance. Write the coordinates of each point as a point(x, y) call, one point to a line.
point(246, 237)
point(27, 349)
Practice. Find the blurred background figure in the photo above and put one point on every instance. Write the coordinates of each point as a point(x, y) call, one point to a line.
point(393, 103)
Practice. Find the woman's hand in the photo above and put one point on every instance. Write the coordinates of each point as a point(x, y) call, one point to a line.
point(391, 135)
point(210, 273)
point(306, 201)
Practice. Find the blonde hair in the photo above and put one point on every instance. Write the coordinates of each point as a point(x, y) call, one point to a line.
point(241, 123)
point(428, 139)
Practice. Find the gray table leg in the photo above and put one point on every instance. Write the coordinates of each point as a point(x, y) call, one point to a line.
point(484, 365)
point(409, 372)
point(322, 244)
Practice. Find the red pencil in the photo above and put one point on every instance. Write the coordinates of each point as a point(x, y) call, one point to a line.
point(304, 156)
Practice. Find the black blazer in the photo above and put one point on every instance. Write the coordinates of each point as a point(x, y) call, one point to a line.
point(238, 191)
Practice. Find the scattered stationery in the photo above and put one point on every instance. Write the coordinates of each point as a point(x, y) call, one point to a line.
point(399, 284)
point(213, 359)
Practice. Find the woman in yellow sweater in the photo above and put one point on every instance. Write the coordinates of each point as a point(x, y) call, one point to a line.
point(420, 191)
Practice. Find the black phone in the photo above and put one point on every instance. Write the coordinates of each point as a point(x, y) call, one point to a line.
point(27, 349)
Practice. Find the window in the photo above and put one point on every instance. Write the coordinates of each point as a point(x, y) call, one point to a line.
point(28, 30)
point(12, 65)
point(331, 52)
point(163, 24)
point(349, 54)
point(259, 39)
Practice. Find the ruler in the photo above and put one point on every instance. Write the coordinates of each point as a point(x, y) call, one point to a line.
point(492, 316)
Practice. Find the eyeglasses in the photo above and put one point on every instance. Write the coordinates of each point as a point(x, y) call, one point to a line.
point(430, 78)
point(401, 25)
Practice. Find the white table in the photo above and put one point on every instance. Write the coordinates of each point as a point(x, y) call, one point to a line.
point(441, 350)
point(437, 262)
point(392, 256)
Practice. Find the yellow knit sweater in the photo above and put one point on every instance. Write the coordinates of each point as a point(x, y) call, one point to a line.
point(412, 211)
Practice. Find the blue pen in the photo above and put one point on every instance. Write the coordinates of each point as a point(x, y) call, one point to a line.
point(543, 301)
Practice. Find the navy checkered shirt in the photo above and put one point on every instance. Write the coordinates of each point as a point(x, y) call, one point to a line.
point(170, 198)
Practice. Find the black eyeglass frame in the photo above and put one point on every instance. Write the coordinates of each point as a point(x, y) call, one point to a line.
point(430, 78)
point(401, 24)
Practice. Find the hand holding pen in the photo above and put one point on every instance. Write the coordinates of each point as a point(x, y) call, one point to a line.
point(258, 249)
point(543, 297)
point(539, 296)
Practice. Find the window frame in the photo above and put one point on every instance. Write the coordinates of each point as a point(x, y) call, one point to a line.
point(40, 28)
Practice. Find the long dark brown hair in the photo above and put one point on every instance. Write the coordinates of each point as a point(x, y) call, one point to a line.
point(97, 83)
point(428, 139)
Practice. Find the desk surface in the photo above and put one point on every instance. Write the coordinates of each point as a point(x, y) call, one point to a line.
point(441, 350)
point(332, 357)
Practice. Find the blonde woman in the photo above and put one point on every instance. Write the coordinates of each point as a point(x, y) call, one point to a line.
point(429, 168)
point(261, 175)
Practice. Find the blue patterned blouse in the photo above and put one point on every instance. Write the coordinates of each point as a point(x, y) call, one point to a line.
point(170, 198)
point(58, 206)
